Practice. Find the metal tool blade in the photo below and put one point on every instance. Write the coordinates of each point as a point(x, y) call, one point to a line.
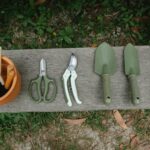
point(105, 61)
point(73, 62)
point(42, 67)
point(131, 60)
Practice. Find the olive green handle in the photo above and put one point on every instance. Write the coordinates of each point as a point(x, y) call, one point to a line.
point(106, 88)
point(48, 83)
point(134, 89)
point(37, 83)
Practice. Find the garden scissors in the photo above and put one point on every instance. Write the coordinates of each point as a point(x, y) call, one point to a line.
point(40, 87)
point(70, 74)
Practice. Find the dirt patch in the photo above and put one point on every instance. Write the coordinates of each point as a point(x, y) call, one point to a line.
point(78, 137)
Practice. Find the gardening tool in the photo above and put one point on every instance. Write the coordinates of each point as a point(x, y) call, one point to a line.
point(132, 69)
point(42, 85)
point(10, 76)
point(1, 78)
point(70, 74)
point(105, 66)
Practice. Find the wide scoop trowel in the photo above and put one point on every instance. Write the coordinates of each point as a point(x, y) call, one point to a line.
point(132, 69)
point(105, 66)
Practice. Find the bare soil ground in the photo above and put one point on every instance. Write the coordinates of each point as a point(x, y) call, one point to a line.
point(80, 137)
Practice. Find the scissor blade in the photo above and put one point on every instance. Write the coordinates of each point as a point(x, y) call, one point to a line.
point(73, 62)
point(42, 67)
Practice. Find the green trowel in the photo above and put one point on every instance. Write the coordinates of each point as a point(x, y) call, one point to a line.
point(105, 66)
point(132, 69)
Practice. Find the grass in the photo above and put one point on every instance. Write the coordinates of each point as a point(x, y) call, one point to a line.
point(25, 121)
point(142, 124)
point(72, 24)
point(65, 23)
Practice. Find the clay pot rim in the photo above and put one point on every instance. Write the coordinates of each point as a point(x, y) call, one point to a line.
point(8, 61)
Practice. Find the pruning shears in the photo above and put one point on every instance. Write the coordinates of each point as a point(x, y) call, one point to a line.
point(40, 87)
point(70, 74)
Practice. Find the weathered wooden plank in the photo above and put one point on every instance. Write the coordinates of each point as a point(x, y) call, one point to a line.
point(88, 83)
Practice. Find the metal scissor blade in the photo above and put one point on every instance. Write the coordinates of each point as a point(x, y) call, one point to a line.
point(73, 62)
point(42, 67)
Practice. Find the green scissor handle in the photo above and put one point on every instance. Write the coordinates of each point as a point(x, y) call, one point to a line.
point(49, 82)
point(37, 83)
point(42, 96)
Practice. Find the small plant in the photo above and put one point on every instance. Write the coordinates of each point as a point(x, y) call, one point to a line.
point(65, 36)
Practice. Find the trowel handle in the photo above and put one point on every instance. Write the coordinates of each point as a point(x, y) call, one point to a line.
point(134, 89)
point(106, 88)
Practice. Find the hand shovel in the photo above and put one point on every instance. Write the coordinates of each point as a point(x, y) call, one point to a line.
point(132, 69)
point(105, 66)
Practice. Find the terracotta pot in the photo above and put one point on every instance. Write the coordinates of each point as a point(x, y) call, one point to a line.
point(16, 83)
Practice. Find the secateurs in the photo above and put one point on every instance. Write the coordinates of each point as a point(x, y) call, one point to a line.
point(40, 87)
point(70, 74)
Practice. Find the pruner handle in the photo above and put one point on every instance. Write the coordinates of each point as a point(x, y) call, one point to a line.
point(73, 87)
point(106, 88)
point(134, 89)
point(66, 77)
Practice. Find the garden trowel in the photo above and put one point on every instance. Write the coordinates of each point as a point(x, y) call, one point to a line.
point(132, 69)
point(105, 66)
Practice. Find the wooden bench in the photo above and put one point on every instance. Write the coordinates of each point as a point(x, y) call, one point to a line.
point(88, 83)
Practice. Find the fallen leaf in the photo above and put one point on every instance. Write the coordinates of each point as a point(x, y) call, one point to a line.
point(119, 119)
point(142, 19)
point(129, 122)
point(111, 16)
point(121, 146)
point(134, 141)
point(38, 2)
point(75, 121)
point(136, 29)
point(94, 45)
point(104, 122)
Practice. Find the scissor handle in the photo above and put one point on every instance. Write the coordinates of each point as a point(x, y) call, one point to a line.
point(66, 77)
point(37, 83)
point(73, 86)
point(48, 82)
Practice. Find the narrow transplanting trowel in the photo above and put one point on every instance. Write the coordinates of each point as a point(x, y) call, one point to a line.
point(132, 69)
point(105, 65)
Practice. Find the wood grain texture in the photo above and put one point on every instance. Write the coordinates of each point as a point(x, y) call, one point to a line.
point(88, 83)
